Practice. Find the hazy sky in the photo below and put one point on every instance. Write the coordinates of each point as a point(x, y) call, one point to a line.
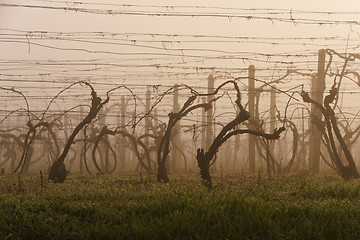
point(62, 21)
point(151, 59)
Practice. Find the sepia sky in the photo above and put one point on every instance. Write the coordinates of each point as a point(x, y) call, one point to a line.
point(167, 42)
point(29, 19)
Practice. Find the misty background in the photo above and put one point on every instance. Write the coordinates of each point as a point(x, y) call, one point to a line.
point(151, 45)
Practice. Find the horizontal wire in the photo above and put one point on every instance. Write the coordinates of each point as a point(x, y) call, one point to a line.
point(247, 15)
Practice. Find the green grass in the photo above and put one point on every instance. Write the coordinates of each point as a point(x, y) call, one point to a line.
point(238, 207)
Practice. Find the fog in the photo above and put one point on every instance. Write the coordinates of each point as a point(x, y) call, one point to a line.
point(149, 45)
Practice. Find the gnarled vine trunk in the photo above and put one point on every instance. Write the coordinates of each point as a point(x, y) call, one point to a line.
point(58, 172)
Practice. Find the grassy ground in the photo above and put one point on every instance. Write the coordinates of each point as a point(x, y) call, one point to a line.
point(292, 207)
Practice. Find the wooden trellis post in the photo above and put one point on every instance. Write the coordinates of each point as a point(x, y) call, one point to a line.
point(175, 130)
point(210, 128)
point(252, 138)
point(102, 115)
point(209, 113)
point(317, 90)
